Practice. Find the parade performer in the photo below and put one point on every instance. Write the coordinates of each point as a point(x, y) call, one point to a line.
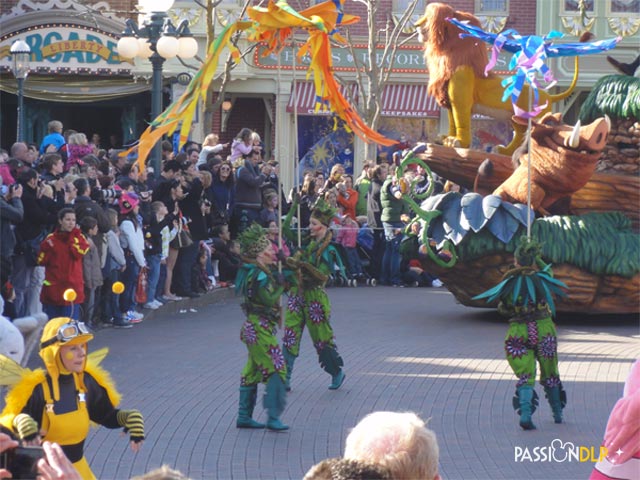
point(308, 303)
point(526, 298)
point(262, 286)
point(57, 405)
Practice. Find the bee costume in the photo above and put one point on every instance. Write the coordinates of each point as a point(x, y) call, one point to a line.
point(58, 404)
point(526, 298)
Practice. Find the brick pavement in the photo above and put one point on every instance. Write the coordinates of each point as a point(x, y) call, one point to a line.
point(404, 349)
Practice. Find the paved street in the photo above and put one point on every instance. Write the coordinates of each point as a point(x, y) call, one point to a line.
point(404, 349)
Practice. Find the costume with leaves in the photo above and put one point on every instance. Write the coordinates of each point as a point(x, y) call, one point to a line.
point(308, 303)
point(61, 404)
point(261, 288)
point(526, 297)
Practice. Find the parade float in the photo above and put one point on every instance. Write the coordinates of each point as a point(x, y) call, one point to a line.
point(573, 188)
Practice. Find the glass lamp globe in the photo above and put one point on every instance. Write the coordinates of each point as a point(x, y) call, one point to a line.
point(149, 6)
point(187, 47)
point(167, 46)
point(128, 47)
point(144, 49)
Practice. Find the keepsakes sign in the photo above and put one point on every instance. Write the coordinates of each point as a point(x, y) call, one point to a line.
point(66, 48)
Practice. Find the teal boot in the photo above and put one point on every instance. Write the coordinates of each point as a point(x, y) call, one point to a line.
point(525, 402)
point(557, 399)
point(248, 396)
point(289, 358)
point(332, 363)
point(275, 398)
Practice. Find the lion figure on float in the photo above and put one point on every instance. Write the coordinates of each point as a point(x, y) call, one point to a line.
point(458, 83)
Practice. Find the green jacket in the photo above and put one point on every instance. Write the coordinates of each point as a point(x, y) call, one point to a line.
point(392, 208)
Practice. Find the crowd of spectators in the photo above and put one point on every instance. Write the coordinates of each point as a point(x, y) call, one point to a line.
point(75, 215)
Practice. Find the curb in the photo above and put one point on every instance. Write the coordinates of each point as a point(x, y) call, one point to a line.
point(210, 298)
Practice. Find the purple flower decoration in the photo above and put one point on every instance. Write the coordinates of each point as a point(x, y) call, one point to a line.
point(276, 357)
point(523, 380)
point(316, 312)
point(264, 323)
point(265, 373)
point(532, 330)
point(248, 333)
point(294, 303)
point(289, 338)
point(552, 381)
point(319, 345)
point(548, 346)
point(515, 347)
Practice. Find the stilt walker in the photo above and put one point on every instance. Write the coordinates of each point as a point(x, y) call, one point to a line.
point(526, 297)
point(262, 287)
point(308, 303)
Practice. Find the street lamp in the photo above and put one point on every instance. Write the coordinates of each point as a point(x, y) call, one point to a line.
point(158, 40)
point(21, 53)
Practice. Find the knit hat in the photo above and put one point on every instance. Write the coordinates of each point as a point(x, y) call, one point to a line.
point(53, 337)
point(128, 202)
point(323, 212)
point(253, 241)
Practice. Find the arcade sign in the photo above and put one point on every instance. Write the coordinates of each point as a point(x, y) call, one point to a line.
point(66, 48)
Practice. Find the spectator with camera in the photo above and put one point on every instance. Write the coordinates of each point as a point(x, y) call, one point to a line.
point(132, 241)
point(11, 214)
point(40, 215)
point(248, 193)
point(84, 206)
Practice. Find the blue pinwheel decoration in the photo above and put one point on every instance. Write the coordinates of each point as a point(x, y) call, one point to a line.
point(530, 53)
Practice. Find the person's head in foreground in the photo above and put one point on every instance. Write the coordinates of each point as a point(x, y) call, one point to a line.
point(401, 442)
point(343, 469)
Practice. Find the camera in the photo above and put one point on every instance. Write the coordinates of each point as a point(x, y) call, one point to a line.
point(110, 194)
point(22, 462)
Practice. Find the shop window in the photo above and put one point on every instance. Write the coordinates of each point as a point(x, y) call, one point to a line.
point(492, 6)
point(572, 6)
point(620, 7)
point(401, 6)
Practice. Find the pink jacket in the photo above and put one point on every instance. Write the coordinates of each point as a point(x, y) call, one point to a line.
point(347, 235)
point(75, 154)
point(622, 437)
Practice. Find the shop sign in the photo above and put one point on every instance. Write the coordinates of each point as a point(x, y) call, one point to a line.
point(65, 48)
point(408, 59)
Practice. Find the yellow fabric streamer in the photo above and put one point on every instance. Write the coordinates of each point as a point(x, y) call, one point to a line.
point(271, 25)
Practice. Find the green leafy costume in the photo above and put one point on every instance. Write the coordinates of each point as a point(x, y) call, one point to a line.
point(265, 363)
point(262, 308)
point(526, 297)
point(308, 303)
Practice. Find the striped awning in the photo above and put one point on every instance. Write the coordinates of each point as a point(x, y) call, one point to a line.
point(304, 96)
point(402, 100)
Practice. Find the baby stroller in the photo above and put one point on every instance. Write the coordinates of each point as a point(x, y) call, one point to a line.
point(343, 276)
point(364, 248)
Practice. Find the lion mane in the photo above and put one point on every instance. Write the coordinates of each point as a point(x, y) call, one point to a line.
point(445, 51)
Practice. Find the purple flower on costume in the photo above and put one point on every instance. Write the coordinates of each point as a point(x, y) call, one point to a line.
point(552, 381)
point(319, 345)
point(289, 338)
point(532, 330)
point(248, 333)
point(523, 380)
point(515, 347)
point(265, 373)
point(548, 346)
point(316, 312)
point(294, 303)
point(276, 356)
point(264, 323)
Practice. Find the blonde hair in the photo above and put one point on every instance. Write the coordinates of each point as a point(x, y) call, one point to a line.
point(210, 140)
point(54, 126)
point(398, 441)
point(78, 139)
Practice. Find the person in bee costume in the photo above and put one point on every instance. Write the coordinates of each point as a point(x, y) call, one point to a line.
point(308, 303)
point(261, 285)
point(58, 404)
point(526, 297)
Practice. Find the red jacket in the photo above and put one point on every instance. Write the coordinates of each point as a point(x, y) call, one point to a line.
point(61, 256)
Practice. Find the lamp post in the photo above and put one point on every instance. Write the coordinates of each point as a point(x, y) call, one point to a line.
point(157, 40)
point(20, 53)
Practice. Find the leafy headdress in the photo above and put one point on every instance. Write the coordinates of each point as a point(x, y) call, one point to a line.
point(253, 241)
